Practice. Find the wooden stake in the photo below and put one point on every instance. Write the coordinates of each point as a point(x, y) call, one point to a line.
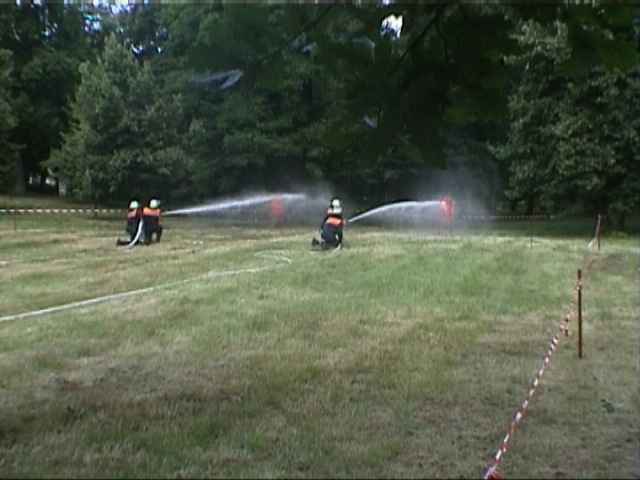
point(579, 313)
point(15, 219)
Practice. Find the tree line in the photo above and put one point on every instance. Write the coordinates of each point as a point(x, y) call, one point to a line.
point(538, 104)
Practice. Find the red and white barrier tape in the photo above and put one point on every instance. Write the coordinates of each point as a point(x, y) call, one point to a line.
point(596, 234)
point(492, 471)
point(508, 217)
point(58, 210)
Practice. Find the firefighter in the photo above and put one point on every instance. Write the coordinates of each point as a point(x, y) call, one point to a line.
point(331, 228)
point(134, 216)
point(151, 219)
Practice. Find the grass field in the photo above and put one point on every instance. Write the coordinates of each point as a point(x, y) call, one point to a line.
point(403, 355)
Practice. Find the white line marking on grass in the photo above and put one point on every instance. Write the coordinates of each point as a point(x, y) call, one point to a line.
point(118, 296)
point(274, 255)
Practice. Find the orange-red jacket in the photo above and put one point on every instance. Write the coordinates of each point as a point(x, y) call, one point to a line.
point(151, 212)
point(335, 221)
point(151, 215)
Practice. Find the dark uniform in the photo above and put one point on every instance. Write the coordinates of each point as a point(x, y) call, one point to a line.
point(331, 230)
point(151, 218)
point(331, 227)
point(134, 216)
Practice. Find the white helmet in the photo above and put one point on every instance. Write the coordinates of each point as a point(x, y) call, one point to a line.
point(154, 203)
point(133, 205)
point(336, 206)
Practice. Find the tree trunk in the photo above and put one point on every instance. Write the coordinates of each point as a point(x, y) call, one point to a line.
point(20, 187)
point(531, 201)
point(513, 205)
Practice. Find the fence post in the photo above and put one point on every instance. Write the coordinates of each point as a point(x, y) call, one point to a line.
point(579, 313)
point(14, 215)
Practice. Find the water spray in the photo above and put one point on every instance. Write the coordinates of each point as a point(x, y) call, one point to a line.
point(402, 206)
point(229, 204)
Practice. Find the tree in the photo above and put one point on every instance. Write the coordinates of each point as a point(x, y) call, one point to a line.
point(125, 139)
point(207, 98)
point(534, 107)
point(599, 143)
point(323, 92)
point(8, 150)
point(47, 41)
point(573, 133)
point(251, 105)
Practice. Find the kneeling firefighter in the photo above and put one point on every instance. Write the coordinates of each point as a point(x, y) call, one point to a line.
point(331, 228)
point(134, 217)
point(151, 219)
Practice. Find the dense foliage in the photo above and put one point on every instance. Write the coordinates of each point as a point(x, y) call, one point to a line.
point(571, 138)
point(537, 104)
point(126, 136)
point(7, 122)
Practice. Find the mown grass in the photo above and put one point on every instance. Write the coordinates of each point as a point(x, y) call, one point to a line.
point(404, 355)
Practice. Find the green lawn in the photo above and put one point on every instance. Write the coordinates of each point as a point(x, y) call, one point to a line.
point(403, 355)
